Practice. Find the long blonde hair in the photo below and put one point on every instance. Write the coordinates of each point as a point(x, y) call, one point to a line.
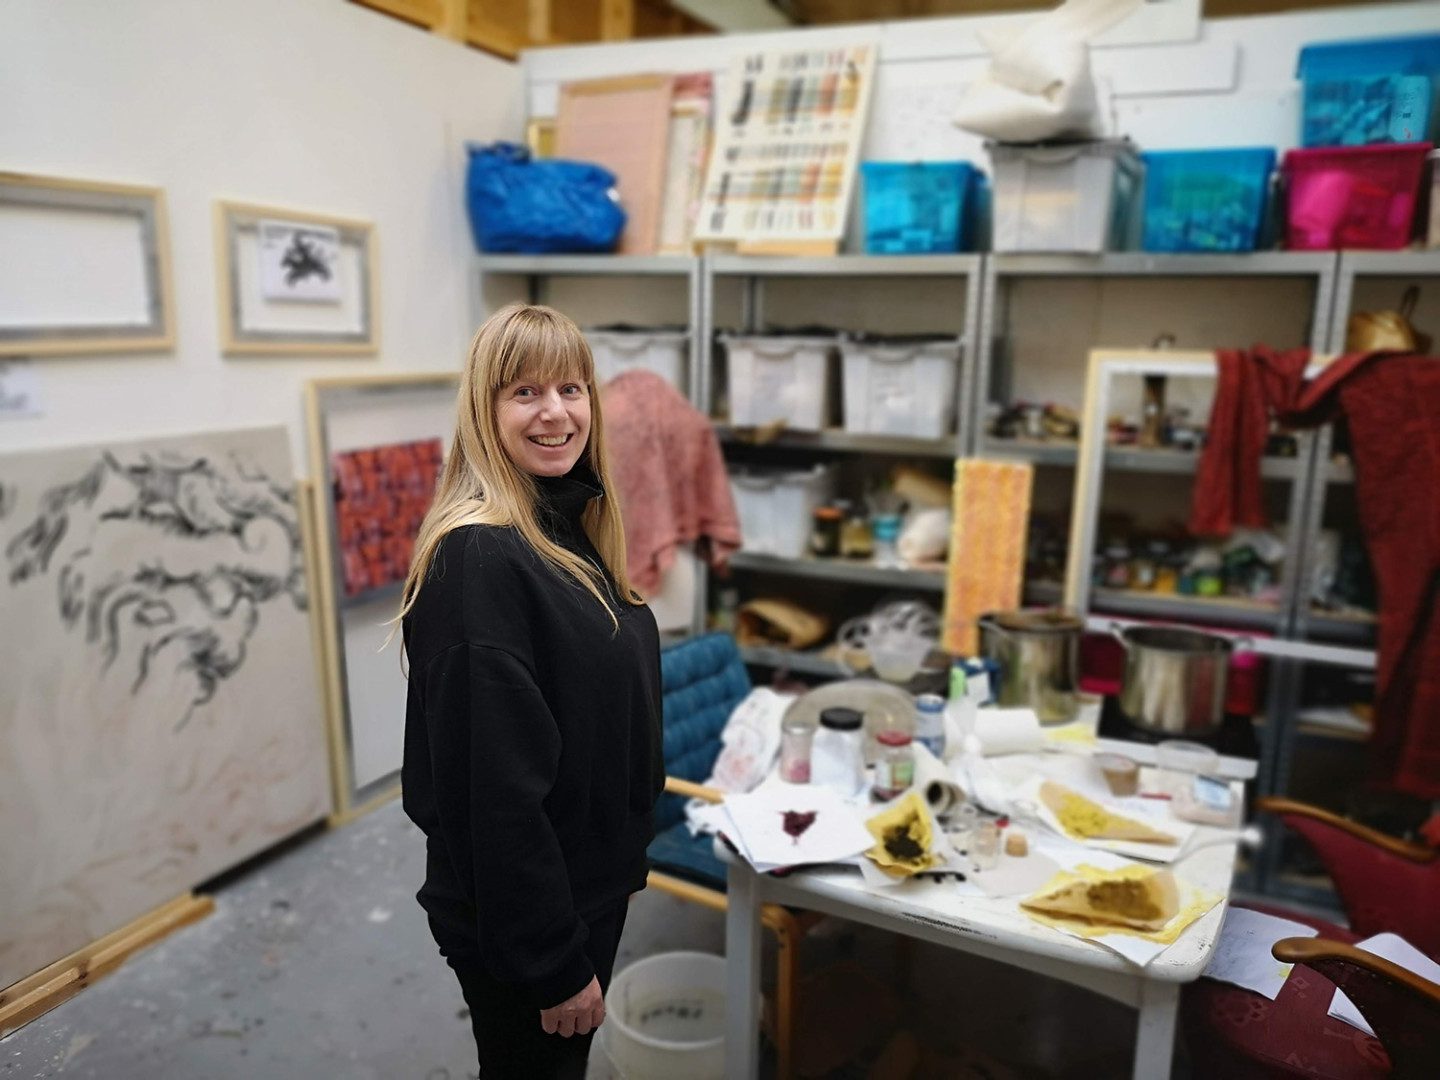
point(481, 485)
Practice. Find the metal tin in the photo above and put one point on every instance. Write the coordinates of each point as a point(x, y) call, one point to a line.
point(1038, 653)
point(1174, 679)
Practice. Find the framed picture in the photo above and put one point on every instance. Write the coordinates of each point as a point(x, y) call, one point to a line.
point(295, 283)
point(377, 444)
point(86, 268)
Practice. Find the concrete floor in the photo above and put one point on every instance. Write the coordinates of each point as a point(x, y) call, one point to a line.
point(318, 963)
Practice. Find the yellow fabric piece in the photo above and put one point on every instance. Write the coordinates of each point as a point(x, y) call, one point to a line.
point(905, 842)
point(1084, 819)
point(1185, 903)
point(986, 568)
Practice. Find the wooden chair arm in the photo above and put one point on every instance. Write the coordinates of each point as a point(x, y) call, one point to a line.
point(675, 786)
point(1297, 950)
point(1418, 853)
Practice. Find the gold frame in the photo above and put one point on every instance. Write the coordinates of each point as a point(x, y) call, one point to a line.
point(149, 204)
point(236, 341)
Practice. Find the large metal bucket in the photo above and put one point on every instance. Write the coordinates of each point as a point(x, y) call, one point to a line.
point(1174, 680)
point(1038, 654)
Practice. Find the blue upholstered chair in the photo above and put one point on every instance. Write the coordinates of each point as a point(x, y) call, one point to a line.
point(703, 679)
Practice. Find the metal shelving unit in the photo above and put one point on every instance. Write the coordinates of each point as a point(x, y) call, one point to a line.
point(841, 570)
point(983, 283)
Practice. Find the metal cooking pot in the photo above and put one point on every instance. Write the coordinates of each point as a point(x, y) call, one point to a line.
point(1174, 679)
point(1038, 653)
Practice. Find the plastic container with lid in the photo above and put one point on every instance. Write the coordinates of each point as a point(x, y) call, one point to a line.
point(918, 207)
point(1371, 90)
point(1352, 196)
point(1206, 200)
point(894, 767)
point(1066, 197)
point(837, 757)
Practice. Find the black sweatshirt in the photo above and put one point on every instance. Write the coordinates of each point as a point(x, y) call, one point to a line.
point(532, 747)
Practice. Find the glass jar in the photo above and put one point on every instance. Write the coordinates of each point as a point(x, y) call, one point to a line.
point(985, 845)
point(886, 530)
point(895, 767)
point(837, 756)
point(825, 531)
point(855, 539)
point(796, 739)
point(930, 724)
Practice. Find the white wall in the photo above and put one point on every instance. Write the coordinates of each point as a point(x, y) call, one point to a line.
point(307, 104)
point(1173, 81)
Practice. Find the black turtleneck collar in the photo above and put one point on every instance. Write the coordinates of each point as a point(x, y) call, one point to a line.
point(563, 498)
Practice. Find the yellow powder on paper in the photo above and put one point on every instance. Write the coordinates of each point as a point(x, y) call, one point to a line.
point(1194, 902)
point(986, 567)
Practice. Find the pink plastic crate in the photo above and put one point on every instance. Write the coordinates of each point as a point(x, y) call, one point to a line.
point(1352, 196)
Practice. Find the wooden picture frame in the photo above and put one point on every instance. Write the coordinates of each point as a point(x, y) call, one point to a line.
point(96, 245)
point(252, 325)
point(1105, 366)
point(363, 704)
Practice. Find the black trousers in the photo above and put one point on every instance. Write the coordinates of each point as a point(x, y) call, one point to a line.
point(511, 1043)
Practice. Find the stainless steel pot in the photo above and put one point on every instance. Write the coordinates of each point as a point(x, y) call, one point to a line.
point(1038, 654)
point(1174, 679)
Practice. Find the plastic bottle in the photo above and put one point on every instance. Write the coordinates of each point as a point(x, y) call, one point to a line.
point(930, 723)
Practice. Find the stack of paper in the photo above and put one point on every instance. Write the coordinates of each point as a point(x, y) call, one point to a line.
point(791, 825)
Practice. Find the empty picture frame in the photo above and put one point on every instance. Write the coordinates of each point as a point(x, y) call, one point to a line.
point(254, 322)
point(396, 422)
point(86, 267)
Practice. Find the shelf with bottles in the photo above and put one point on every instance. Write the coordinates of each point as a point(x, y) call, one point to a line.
point(847, 571)
point(1339, 593)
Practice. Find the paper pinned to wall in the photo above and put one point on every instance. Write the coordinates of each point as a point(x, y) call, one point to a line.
point(19, 390)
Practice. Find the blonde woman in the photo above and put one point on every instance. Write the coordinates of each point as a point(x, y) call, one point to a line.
point(532, 727)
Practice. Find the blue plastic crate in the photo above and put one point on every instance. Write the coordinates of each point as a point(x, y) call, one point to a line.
point(1206, 200)
point(918, 208)
point(1377, 90)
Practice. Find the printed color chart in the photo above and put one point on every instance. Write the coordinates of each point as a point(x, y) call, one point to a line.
point(787, 143)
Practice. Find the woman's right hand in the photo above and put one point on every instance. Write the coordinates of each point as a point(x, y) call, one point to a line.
point(578, 1015)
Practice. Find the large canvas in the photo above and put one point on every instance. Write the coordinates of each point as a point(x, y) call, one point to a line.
point(160, 718)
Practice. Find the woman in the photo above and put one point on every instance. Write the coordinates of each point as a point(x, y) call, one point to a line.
point(532, 725)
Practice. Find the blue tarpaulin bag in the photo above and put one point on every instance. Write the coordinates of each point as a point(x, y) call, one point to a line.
point(537, 207)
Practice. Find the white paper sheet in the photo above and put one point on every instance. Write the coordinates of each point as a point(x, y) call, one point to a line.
point(1242, 953)
point(1397, 950)
point(758, 820)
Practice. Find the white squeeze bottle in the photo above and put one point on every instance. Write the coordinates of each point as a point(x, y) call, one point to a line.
point(930, 724)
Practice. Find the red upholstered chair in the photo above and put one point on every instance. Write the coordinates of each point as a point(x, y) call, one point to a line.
point(1402, 1008)
point(1384, 884)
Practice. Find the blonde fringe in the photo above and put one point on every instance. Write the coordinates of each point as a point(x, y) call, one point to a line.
point(480, 485)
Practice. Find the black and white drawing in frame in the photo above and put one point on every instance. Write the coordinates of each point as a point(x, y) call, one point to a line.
point(299, 262)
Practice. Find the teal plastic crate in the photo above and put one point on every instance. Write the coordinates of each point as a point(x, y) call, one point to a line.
point(918, 207)
point(1375, 90)
point(1206, 200)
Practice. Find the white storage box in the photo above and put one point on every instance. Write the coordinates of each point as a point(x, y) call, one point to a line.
point(661, 351)
point(779, 377)
point(900, 387)
point(776, 509)
point(1068, 197)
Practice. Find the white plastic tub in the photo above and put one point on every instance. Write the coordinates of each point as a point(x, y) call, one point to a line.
point(776, 509)
point(665, 1018)
point(1069, 197)
point(661, 351)
point(779, 377)
point(895, 388)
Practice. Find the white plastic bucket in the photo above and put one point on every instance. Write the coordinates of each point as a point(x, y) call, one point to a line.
point(665, 1018)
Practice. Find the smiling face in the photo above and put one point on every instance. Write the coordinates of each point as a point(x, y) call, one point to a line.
point(544, 424)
